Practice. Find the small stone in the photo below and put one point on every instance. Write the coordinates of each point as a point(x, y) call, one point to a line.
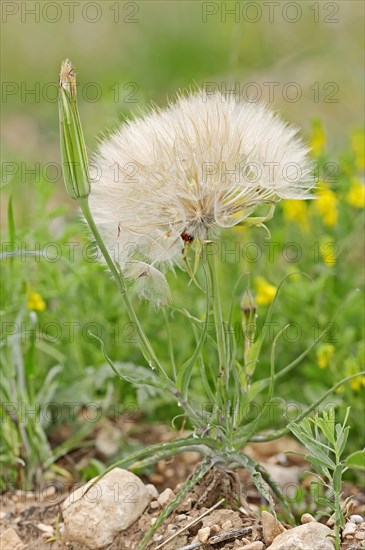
point(307, 518)
point(181, 517)
point(331, 521)
point(156, 478)
point(154, 505)
point(116, 501)
point(9, 539)
point(191, 457)
point(362, 526)
point(48, 529)
point(311, 536)
point(349, 529)
point(227, 525)
point(186, 505)
point(271, 527)
point(360, 535)
point(346, 511)
point(108, 438)
point(47, 492)
point(257, 545)
point(215, 528)
point(152, 491)
point(356, 518)
point(203, 534)
point(2, 515)
point(166, 497)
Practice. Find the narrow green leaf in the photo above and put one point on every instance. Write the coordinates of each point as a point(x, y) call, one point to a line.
point(356, 460)
point(342, 436)
point(323, 501)
point(327, 428)
point(337, 478)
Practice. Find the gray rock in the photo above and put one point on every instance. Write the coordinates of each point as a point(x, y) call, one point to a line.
point(112, 505)
point(310, 536)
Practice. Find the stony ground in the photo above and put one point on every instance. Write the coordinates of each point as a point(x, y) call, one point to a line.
point(34, 521)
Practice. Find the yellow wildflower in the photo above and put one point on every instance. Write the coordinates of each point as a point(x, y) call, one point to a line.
point(265, 292)
point(358, 147)
point(326, 205)
point(352, 366)
point(296, 211)
point(356, 196)
point(35, 301)
point(328, 251)
point(325, 355)
point(357, 383)
point(318, 138)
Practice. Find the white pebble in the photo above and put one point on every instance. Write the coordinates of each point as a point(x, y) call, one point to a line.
point(166, 497)
point(349, 529)
point(307, 518)
point(152, 491)
point(227, 525)
point(356, 518)
point(203, 534)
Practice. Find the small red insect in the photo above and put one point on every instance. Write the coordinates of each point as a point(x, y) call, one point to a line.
point(187, 238)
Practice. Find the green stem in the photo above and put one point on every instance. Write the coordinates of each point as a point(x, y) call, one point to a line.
point(217, 308)
point(213, 293)
point(161, 450)
point(145, 344)
point(189, 484)
point(338, 513)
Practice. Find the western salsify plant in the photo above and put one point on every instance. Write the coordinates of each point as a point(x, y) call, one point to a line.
point(169, 183)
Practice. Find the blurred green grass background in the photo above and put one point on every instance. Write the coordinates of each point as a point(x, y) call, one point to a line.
point(168, 48)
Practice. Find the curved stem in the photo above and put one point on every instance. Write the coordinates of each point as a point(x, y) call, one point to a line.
point(279, 433)
point(165, 449)
point(145, 344)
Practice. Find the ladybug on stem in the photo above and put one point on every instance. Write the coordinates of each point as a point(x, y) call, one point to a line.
point(187, 238)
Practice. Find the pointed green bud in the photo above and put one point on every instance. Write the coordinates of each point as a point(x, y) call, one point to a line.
point(248, 308)
point(248, 305)
point(75, 166)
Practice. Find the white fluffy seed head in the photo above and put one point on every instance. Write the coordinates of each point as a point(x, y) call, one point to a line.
point(204, 163)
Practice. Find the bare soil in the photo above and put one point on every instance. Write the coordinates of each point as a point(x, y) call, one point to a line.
point(37, 519)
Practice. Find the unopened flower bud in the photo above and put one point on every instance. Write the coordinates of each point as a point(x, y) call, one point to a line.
point(75, 164)
point(248, 305)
